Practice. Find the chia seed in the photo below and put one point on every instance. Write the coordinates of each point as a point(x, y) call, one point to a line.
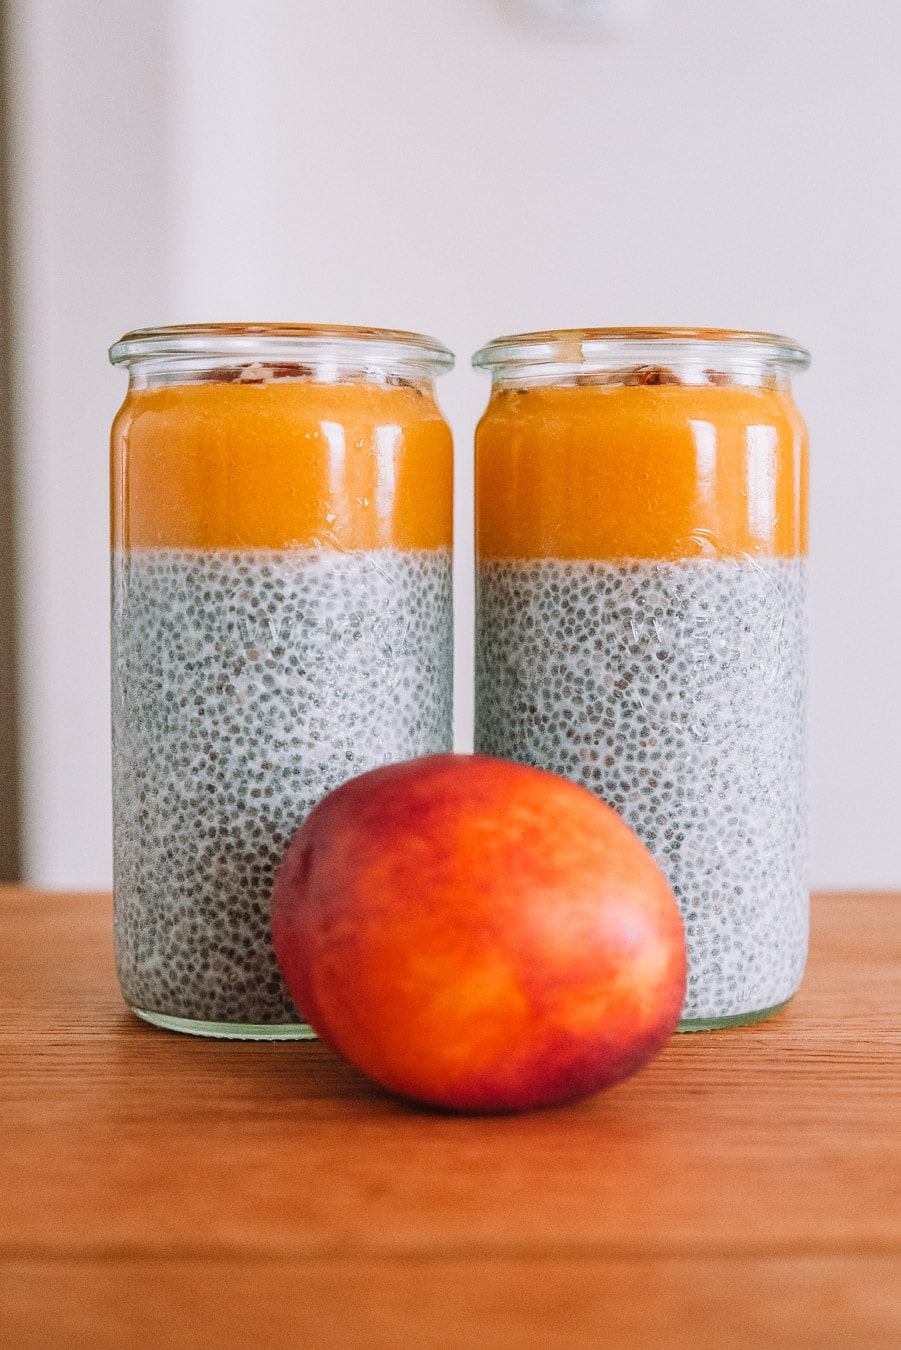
point(247, 685)
point(675, 691)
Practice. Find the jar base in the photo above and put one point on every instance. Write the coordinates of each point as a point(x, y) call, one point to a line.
point(735, 1020)
point(229, 1031)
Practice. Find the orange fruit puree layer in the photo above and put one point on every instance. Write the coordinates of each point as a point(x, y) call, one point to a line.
point(654, 471)
point(289, 464)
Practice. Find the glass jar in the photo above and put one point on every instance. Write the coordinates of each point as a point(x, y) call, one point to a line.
point(282, 503)
point(641, 522)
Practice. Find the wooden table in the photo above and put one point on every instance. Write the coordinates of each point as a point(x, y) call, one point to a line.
point(158, 1191)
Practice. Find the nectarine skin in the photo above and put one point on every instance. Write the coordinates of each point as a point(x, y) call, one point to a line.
point(479, 935)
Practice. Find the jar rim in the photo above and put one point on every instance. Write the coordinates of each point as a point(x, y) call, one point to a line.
point(300, 342)
point(600, 347)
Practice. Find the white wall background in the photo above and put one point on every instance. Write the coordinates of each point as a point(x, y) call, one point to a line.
point(430, 164)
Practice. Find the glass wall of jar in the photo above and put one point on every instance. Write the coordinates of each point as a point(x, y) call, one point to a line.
point(282, 621)
point(641, 509)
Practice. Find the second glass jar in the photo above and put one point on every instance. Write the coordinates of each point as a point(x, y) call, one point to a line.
point(641, 522)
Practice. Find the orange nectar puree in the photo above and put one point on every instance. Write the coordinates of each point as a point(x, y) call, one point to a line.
point(290, 464)
point(653, 471)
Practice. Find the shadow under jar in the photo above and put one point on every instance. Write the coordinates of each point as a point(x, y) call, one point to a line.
point(641, 523)
point(282, 503)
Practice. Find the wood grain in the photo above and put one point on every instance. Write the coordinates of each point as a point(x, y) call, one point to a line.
point(744, 1190)
point(831, 1303)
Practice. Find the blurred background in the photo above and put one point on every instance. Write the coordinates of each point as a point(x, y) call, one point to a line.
point(465, 168)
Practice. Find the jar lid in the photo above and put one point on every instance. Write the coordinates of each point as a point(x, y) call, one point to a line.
point(587, 349)
point(315, 345)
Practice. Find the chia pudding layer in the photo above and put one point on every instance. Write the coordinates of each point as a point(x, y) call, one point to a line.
point(247, 685)
point(676, 692)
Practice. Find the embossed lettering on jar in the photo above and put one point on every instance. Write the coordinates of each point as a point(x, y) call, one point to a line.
point(282, 620)
point(641, 504)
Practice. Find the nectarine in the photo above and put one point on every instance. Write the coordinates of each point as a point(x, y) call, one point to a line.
point(478, 934)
